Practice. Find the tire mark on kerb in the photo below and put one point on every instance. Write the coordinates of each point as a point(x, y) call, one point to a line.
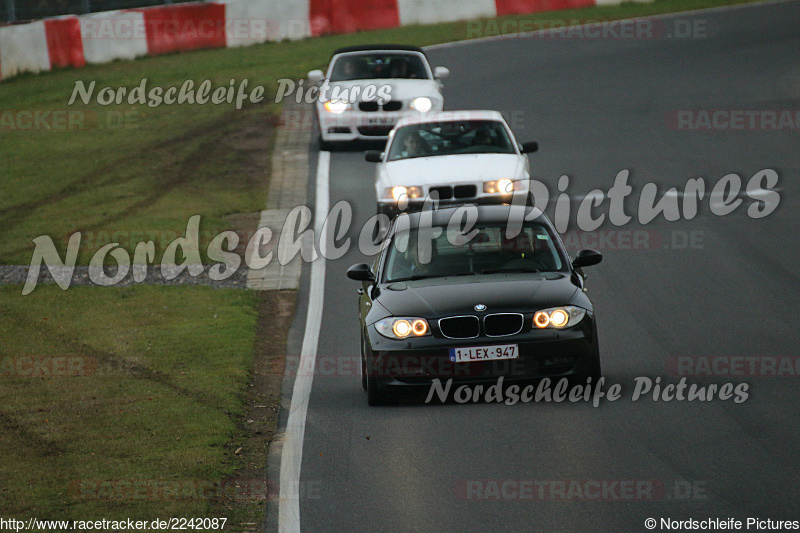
point(292, 450)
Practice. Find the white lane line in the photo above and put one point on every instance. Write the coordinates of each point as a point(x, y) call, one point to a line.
point(292, 451)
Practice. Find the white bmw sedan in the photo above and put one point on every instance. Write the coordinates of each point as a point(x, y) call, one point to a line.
point(456, 157)
point(367, 89)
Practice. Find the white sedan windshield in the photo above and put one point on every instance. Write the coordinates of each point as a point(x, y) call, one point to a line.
point(449, 138)
point(378, 66)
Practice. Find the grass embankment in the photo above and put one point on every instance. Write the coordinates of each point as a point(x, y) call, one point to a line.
point(100, 389)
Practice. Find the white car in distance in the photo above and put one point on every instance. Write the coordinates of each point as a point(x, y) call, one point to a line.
point(401, 72)
point(457, 157)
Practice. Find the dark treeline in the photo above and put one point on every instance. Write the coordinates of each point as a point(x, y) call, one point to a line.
point(21, 10)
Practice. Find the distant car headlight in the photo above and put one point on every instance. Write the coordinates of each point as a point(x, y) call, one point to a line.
point(503, 186)
point(396, 193)
point(402, 327)
point(422, 104)
point(337, 106)
point(558, 317)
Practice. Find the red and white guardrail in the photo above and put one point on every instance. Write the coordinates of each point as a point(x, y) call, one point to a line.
point(102, 37)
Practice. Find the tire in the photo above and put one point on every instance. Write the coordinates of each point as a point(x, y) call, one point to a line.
point(529, 200)
point(595, 370)
point(325, 145)
point(379, 232)
point(363, 367)
point(376, 396)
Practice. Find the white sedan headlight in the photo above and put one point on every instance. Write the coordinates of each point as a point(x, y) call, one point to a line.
point(337, 107)
point(423, 104)
point(558, 317)
point(503, 186)
point(398, 193)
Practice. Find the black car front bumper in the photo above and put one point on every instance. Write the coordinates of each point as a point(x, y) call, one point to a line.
point(416, 362)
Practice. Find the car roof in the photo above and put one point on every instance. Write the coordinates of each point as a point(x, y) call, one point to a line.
point(451, 116)
point(486, 213)
point(379, 47)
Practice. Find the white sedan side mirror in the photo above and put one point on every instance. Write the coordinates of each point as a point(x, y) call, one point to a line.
point(441, 72)
point(316, 76)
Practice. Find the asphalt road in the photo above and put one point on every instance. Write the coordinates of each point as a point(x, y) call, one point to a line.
point(598, 106)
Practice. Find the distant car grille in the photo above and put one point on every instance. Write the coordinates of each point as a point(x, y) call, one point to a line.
point(464, 191)
point(391, 105)
point(460, 327)
point(501, 324)
point(445, 193)
point(459, 192)
point(376, 131)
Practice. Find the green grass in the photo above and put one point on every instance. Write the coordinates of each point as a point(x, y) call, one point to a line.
point(155, 395)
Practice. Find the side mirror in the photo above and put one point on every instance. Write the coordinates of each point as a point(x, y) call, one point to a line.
point(441, 72)
point(587, 258)
point(316, 76)
point(373, 156)
point(528, 148)
point(360, 272)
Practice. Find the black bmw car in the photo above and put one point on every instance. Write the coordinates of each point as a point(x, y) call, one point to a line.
point(451, 299)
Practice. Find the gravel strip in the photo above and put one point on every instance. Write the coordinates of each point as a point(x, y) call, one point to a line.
point(13, 274)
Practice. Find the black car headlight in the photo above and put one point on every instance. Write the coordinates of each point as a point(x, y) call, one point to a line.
point(558, 317)
point(402, 327)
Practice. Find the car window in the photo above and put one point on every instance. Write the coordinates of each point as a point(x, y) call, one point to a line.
point(378, 66)
point(488, 250)
point(449, 138)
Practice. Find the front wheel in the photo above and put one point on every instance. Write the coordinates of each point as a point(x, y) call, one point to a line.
point(325, 145)
point(363, 367)
point(379, 230)
point(595, 370)
point(376, 396)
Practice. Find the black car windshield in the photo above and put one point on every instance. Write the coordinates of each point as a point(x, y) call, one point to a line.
point(449, 138)
point(378, 66)
point(417, 254)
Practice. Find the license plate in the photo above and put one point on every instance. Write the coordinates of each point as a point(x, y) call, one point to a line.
point(484, 353)
point(380, 121)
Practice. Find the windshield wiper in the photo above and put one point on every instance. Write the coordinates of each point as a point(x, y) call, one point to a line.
point(428, 276)
point(414, 278)
point(511, 270)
